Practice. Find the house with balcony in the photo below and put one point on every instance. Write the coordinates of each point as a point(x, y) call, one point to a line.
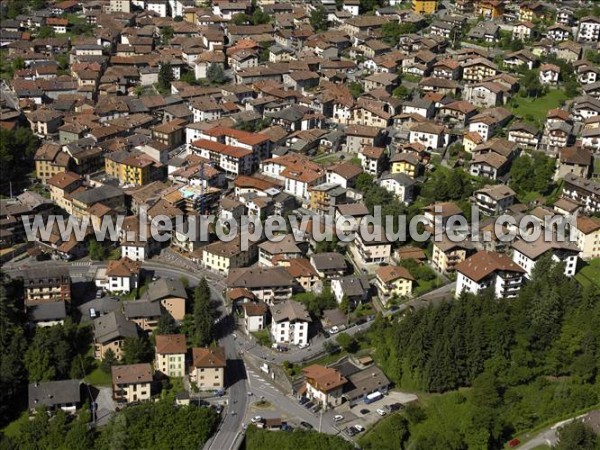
point(431, 135)
point(524, 135)
point(393, 282)
point(272, 285)
point(170, 352)
point(132, 382)
point(329, 264)
point(47, 284)
point(582, 191)
point(371, 247)
point(527, 254)
point(271, 252)
point(588, 30)
point(371, 159)
point(446, 254)
point(289, 323)
point(120, 275)
point(399, 184)
point(487, 269)
point(478, 70)
point(485, 94)
point(487, 122)
point(493, 200)
point(549, 74)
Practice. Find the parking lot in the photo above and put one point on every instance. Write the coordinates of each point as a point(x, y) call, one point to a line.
point(354, 415)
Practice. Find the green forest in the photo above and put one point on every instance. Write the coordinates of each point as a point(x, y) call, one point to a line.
point(502, 366)
point(298, 439)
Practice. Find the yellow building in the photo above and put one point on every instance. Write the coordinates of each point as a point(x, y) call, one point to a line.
point(447, 255)
point(491, 9)
point(424, 6)
point(407, 163)
point(393, 281)
point(50, 160)
point(133, 168)
point(221, 256)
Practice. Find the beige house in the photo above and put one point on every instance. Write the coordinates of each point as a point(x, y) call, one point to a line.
point(221, 256)
point(170, 293)
point(170, 354)
point(393, 281)
point(324, 385)
point(132, 382)
point(369, 251)
point(110, 332)
point(447, 254)
point(587, 232)
point(208, 368)
point(61, 185)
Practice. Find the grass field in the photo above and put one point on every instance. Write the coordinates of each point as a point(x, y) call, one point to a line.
point(99, 378)
point(590, 274)
point(537, 108)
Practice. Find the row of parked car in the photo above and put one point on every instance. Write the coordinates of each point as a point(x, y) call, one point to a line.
point(305, 401)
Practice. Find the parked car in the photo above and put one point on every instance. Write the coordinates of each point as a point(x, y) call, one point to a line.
point(395, 407)
point(303, 400)
point(326, 334)
point(350, 431)
point(309, 405)
point(359, 428)
point(315, 408)
point(361, 321)
point(257, 419)
point(364, 411)
point(306, 425)
point(306, 345)
point(338, 418)
point(99, 293)
point(333, 330)
point(381, 412)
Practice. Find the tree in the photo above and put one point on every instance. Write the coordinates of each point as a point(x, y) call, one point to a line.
point(347, 342)
point(45, 32)
point(137, 350)
point(356, 89)
point(318, 18)
point(165, 77)
point(203, 315)
point(369, 5)
point(530, 83)
point(166, 324)
point(391, 31)
point(109, 360)
point(167, 34)
point(240, 19)
point(577, 436)
point(259, 17)
point(401, 92)
point(17, 148)
point(97, 251)
point(216, 74)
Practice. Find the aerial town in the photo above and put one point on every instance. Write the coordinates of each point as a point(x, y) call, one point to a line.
point(481, 113)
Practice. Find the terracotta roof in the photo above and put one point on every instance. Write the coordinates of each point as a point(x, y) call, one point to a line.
point(576, 155)
point(123, 267)
point(587, 225)
point(170, 344)
point(484, 263)
point(392, 273)
point(373, 152)
point(204, 357)
point(324, 379)
point(64, 179)
point(300, 267)
point(255, 309)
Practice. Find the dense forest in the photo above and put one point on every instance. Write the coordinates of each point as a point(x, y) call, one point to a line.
point(298, 439)
point(524, 361)
point(149, 425)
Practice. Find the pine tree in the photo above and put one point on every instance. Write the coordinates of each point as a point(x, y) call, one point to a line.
point(203, 315)
point(165, 77)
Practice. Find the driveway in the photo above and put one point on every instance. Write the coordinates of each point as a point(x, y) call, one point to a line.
point(106, 406)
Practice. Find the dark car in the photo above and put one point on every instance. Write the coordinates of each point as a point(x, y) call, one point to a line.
point(395, 407)
point(364, 411)
point(350, 431)
point(394, 308)
point(309, 405)
point(302, 400)
point(306, 425)
point(326, 334)
point(361, 321)
point(315, 408)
